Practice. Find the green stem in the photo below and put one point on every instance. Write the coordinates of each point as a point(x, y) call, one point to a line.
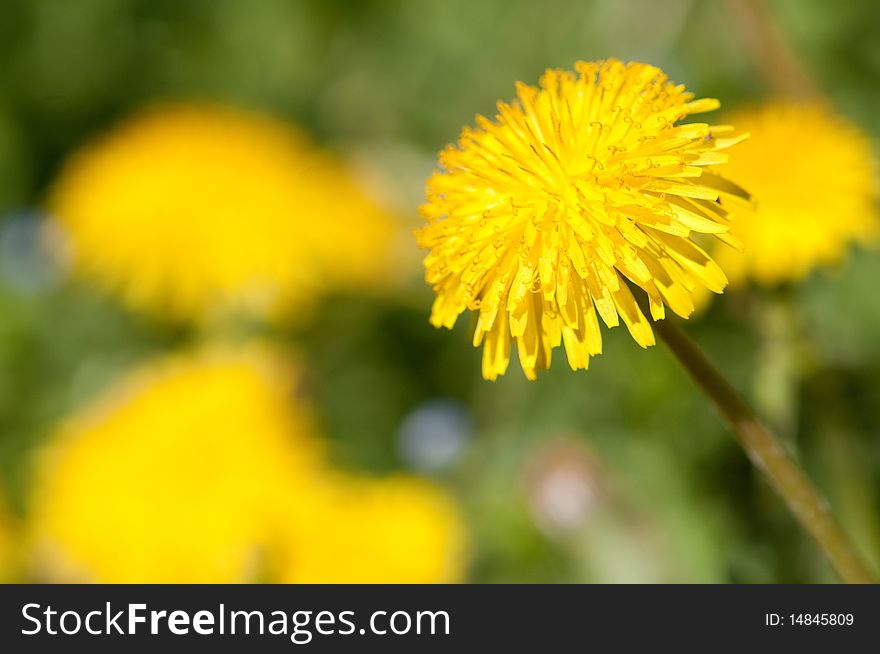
point(770, 456)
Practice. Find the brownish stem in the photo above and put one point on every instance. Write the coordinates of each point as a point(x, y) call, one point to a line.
point(770, 456)
point(771, 53)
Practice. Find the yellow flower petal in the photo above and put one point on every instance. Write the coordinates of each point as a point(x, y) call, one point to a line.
point(543, 218)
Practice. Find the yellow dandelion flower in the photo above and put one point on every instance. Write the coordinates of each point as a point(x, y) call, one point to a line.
point(191, 211)
point(537, 219)
point(813, 176)
point(393, 530)
point(178, 476)
point(8, 545)
point(204, 468)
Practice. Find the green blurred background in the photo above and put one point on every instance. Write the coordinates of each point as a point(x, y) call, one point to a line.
point(618, 474)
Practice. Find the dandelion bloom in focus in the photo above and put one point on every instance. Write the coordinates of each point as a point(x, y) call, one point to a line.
point(813, 176)
point(193, 211)
point(200, 469)
point(536, 220)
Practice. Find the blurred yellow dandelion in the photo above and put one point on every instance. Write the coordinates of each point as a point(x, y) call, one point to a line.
point(813, 176)
point(205, 468)
point(8, 544)
point(537, 219)
point(177, 476)
point(191, 211)
point(394, 530)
